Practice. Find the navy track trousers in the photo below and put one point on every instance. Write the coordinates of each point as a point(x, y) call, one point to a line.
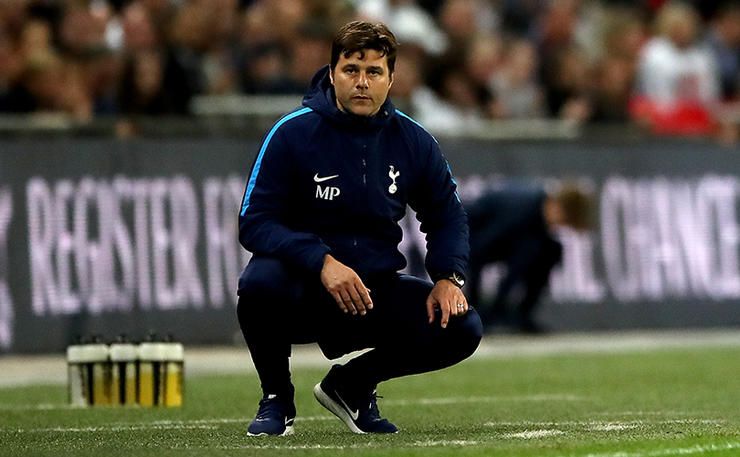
point(280, 305)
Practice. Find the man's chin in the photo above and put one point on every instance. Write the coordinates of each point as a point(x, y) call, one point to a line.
point(359, 109)
point(363, 112)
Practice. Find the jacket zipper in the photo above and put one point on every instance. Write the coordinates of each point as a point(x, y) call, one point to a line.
point(364, 178)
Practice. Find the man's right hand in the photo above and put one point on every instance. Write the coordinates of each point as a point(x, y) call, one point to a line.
point(345, 286)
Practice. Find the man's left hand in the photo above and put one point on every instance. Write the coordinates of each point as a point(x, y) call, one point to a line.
point(447, 297)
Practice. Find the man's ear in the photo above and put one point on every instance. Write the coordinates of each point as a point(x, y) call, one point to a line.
point(390, 78)
point(331, 76)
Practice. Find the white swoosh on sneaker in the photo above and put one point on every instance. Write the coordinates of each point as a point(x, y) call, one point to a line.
point(353, 414)
point(325, 178)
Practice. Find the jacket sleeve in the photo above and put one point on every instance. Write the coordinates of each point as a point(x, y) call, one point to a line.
point(266, 207)
point(441, 214)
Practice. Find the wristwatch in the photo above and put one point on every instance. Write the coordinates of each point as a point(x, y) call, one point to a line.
point(454, 277)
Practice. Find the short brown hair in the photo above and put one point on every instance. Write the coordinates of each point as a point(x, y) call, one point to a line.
point(357, 36)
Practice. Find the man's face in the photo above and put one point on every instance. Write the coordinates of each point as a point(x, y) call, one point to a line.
point(361, 84)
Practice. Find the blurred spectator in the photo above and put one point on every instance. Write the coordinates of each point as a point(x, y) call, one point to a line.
point(463, 20)
point(262, 61)
point(409, 22)
point(48, 85)
point(677, 80)
point(483, 59)
point(308, 53)
point(518, 16)
point(142, 86)
point(457, 105)
point(86, 50)
point(139, 32)
point(567, 84)
point(613, 83)
point(623, 35)
point(173, 60)
point(516, 224)
point(723, 39)
point(220, 67)
point(564, 66)
point(408, 82)
point(10, 71)
point(517, 94)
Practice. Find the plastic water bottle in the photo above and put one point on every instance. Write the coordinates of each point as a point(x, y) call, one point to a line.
point(96, 359)
point(78, 379)
point(151, 372)
point(174, 373)
point(123, 357)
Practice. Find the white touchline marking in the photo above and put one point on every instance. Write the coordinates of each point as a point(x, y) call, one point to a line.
point(646, 413)
point(487, 399)
point(417, 401)
point(314, 418)
point(38, 407)
point(698, 449)
point(233, 420)
point(604, 425)
point(204, 424)
point(116, 428)
point(430, 443)
point(277, 447)
point(442, 443)
point(530, 434)
point(612, 427)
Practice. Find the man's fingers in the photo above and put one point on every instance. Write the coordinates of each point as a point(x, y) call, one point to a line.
point(357, 301)
point(347, 300)
point(430, 309)
point(454, 310)
point(445, 313)
point(340, 302)
point(364, 294)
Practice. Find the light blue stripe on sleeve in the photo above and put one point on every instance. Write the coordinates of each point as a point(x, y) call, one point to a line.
point(401, 113)
point(258, 162)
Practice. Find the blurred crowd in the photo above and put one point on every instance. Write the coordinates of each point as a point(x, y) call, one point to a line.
point(672, 67)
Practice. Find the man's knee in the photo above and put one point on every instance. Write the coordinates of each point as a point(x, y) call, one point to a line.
point(468, 333)
point(266, 287)
point(266, 277)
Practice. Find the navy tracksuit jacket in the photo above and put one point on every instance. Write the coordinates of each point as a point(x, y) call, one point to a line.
point(325, 181)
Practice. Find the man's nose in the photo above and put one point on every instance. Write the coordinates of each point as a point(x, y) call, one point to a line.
point(362, 81)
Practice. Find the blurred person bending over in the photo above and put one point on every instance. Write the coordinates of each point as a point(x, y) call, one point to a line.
point(320, 214)
point(516, 224)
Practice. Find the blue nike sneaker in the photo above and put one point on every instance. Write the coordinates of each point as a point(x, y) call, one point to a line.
point(357, 410)
point(274, 417)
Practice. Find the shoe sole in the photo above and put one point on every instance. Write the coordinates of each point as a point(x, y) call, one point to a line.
point(336, 409)
point(288, 431)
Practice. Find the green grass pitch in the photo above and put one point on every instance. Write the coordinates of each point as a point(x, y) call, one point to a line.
point(648, 403)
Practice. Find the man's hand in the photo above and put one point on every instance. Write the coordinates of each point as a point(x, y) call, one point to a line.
point(345, 286)
point(447, 297)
